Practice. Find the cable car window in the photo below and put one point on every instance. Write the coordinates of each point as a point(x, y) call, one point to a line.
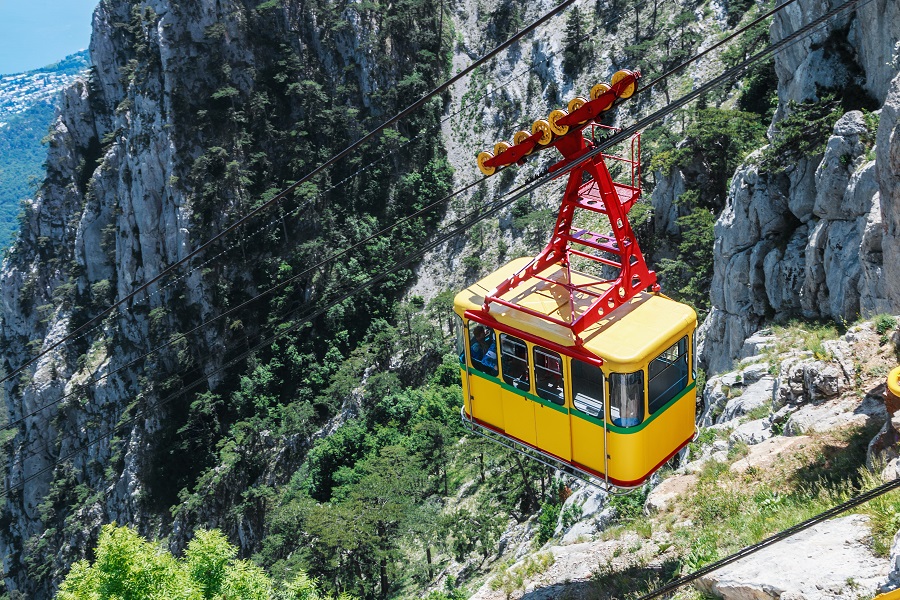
point(483, 349)
point(668, 375)
point(694, 355)
point(548, 376)
point(587, 388)
point(514, 361)
point(460, 331)
point(626, 398)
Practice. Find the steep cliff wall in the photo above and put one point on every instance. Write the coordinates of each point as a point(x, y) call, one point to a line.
point(813, 236)
point(192, 113)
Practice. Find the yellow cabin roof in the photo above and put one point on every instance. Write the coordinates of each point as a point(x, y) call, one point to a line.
point(633, 333)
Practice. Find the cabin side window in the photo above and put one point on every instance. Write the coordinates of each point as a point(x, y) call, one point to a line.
point(460, 331)
point(668, 375)
point(483, 349)
point(548, 376)
point(514, 361)
point(694, 355)
point(626, 398)
point(587, 388)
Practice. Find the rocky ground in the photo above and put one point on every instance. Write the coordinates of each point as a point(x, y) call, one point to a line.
point(786, 418)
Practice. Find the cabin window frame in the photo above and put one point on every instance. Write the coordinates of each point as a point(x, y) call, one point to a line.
point(549, 355)
point(489, 367)
point(461, 333)
point(628, 398)
point(511, 380)
point(671, 358)
point(582, 402)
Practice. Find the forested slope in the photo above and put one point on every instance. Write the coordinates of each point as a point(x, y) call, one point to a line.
point(321, 435)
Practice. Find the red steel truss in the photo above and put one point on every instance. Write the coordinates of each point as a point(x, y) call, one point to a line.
point(591, 188)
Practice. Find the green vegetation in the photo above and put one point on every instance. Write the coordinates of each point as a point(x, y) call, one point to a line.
point(126, 566)
point(884, 323)
point(804, 335)
point(513, 579)
point(802, 133)
point(715, 142)
point(731, 509)
point(22, 154)
point(340, 445)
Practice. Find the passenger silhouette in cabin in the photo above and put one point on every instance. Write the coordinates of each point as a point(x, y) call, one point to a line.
point(483, 350)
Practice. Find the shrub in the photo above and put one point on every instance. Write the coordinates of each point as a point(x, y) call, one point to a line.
point(884, 323)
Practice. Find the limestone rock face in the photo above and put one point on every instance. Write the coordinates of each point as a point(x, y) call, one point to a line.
point(820, 239)
point(815, 564)
point(887, 168)
point(118, 208)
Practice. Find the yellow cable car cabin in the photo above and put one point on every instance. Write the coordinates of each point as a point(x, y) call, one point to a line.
point(596, 373)
point(629, 388)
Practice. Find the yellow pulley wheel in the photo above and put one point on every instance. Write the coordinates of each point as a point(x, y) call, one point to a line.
point(555, 116)
point(546, 132)
point(629, 89)
point(483, 158)
point(500, 148)
point(893, 382)
point(576, 103)
point(598, 90)
point(521, 136)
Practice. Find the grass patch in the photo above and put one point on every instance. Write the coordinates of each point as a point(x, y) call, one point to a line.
point(731, 510)
point(631, 581)
point(884, 323)
point(512, 580)
point(808, 336)
point(759, 412)
point(704, 438)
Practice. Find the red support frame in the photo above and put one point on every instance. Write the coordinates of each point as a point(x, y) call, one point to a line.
point(590, 187)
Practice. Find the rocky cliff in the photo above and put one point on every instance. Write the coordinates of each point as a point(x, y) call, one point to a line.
point(191, 114)
point(196, 111)
point(814, 236)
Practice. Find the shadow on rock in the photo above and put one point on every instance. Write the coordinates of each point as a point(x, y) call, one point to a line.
point(612, 583)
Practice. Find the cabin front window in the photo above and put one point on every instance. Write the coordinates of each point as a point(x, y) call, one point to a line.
point(626, 398)
point(514, 361)
point(587, 388)
point(548, 376)
point(668, 375)
point(483, 349)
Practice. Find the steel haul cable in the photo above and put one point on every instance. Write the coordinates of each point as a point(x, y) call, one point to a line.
point(748, 550)
point(86, 328)
point(317, 170)
point(316, 312)
point(862, 498)
point(181, 336)
point(541, 180)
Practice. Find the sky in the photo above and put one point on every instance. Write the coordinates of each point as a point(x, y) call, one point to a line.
point(36, 33)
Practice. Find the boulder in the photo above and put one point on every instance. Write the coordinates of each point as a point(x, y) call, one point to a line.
point(764, 454)
point(662, 495)
point(831, 560)
point(893, 578)
point(752, 432)
point(835, 415)
point(752, 396)
point(805, 379)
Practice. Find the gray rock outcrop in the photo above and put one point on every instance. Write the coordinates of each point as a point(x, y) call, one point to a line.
point(820, 239)
point(793, 568)
point(149, 157)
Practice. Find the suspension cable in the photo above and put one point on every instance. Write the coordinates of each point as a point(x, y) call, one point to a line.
point(753, 548)
point(534, 184)
point(85, 330)
point(750, 25)
point(278, 197)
